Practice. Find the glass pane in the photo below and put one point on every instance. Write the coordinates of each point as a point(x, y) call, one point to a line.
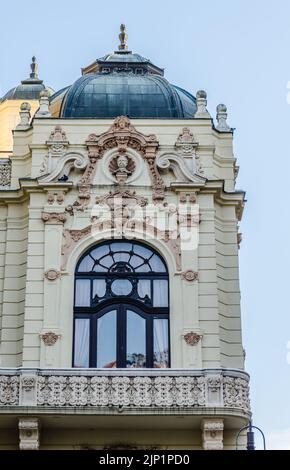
point(142, 251)
point(86, 264)
point(106, 340)
point(157, 265)
point(100, 251)
point(100, 269)
point(82, 342)
point(136, 261)
point(160, 356)
point(145, 268)
point(83, 294)
point(99, 287)
point(144, 288)
point(136, 340)
point(119, 246)
point(107, 261)
point(121, 257)
point(160, 293)
point(121, 287)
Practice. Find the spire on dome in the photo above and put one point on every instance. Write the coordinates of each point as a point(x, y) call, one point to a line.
point(123, 36)
point(34, 68)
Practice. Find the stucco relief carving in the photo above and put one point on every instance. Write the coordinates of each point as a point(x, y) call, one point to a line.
point(28, 433)
point(82, 388)
point(71, 238)
point(185, 143)
point(236, 393)
point(53, 218)
point(186, 146)
point(175, 162)
point(191, 338)
point(57, 144)
point(123, 135)
point(122, 166)
point(212, 434)
point(9, 390)
point(5, 173)
point(55, 198)
point(28, 383)
point(189, 275)
point(61, 168)
point(49, 338)
point(52, 274)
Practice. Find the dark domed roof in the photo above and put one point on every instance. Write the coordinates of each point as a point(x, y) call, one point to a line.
point(98, 95)
point(123, 83)
point(28, 89)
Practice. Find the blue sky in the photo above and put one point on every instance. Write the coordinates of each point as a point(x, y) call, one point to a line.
point(239, 53)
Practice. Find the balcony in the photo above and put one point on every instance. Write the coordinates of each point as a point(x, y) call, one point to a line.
point(127, 391)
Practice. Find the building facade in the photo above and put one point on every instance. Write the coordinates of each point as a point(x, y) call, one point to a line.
point(120, 303)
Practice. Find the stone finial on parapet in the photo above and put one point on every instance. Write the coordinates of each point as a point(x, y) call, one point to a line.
point(201, 103)
point(24, 116)
point(43, 110)
point(221, 116)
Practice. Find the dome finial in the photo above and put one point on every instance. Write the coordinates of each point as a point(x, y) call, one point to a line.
point(123, 36)
point(34, 68)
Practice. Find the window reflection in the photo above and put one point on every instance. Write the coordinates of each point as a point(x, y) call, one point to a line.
point(106, 341)
point(82, 342)
point(160, 359)
point(136, 340)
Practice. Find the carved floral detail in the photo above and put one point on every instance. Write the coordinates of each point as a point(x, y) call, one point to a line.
point(121, 167)
point(122, 134)
point(236, 393)
point(186, 143)
point(28, 383)
point(55, 218)
point(49, 338)
point(52, 274)
point(57, 197)
point(55, 388)
point(9, 390)
point(5, 173)
point(192, 338)
point(189, 275)
point(57, 144)
point(28, 433)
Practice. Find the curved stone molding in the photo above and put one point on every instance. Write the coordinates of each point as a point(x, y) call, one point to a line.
point(65, 164)
point(192, 338)
point(134, 389)
point(174, 162)
point(189, 275)
point(53, 218)
point(52, 274)
point(49, 338)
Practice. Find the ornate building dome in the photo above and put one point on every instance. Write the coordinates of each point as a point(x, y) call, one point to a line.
point(28, 89)
point(123, 83)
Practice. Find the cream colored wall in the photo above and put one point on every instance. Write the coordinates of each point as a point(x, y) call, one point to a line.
point(9, 118)
point(14, 221)
point(210, 306)
point(97, 438)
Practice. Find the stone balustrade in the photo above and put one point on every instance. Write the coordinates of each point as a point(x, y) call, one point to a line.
point(129, 389)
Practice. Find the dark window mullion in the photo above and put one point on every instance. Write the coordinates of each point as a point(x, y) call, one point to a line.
point(149, 342)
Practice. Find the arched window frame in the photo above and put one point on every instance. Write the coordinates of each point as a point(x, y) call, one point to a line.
point(142, 306)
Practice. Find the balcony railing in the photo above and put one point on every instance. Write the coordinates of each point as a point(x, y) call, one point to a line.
point(129, 389)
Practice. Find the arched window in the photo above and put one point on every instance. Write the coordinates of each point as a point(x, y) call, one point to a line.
point(121, 307)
